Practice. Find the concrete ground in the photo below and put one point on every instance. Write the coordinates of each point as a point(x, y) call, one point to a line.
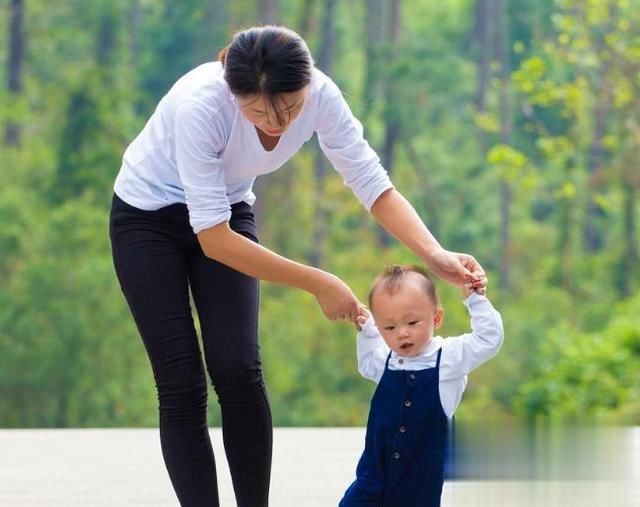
point(311, 468)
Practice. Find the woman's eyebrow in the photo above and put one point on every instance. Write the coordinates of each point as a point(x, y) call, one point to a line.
point(288, 108)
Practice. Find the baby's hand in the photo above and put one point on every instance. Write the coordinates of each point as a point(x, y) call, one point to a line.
point(362, 318)
point(479, 287)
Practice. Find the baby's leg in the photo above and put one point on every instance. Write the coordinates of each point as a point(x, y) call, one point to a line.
point(357, 496)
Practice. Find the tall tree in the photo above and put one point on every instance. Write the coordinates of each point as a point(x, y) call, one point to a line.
point(269, 13)
point(105, 43)
point(483, 46)
point(374, 40)
point(391, 116)
point(392, 122)
point(630, 257)
point(431, 203)
point(325, 63)
point(135, 20)
point(593, 235)
point(306, 18)
point(506, 129)
point(212, 30)
point(12, 135)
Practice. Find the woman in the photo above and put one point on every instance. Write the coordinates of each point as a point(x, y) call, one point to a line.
point(182, 219)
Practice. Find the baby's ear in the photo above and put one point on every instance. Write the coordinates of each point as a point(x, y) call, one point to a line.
point(438, 318)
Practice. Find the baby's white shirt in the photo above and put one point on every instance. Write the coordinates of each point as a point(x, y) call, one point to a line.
point(198, 148)
point(460, 354)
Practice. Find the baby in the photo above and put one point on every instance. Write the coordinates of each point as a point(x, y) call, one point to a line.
point(420, 380)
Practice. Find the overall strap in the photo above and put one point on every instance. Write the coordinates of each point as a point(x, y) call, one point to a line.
point(438, 359)
point(386, 363)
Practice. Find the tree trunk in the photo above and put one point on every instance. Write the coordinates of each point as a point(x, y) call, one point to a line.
point(269, 14)
point(134, 23)
point(13, 134)
point(483, 42)
point(564, 271)
point(593, 238)
point(392, 130)
point(593, 234)
point(430, 195)
point(212, 32)
point(506, 138)
point(630, 259)
point(374, 38)
point(305, 25)
point(105, 46)
point(135, 20)
point(393, 124)
point(325, 63)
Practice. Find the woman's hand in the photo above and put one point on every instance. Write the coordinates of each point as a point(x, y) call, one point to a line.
point(337, 300)
point(457, 268)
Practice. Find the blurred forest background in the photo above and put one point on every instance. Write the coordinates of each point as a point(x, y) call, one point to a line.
point(513, 126)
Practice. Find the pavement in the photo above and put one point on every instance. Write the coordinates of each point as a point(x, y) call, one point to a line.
point(311, 468)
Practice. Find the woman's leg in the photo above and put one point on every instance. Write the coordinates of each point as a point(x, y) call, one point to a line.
point(151, 265)
point(227, 304)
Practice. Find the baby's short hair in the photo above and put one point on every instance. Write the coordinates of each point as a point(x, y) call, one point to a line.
point(390, 280)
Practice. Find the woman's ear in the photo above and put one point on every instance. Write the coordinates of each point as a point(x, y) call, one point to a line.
point(438, 318)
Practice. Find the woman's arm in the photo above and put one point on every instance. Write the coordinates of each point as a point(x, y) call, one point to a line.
point(234, 250)
point(399, 218)
point(199, 139)
point(341, 139)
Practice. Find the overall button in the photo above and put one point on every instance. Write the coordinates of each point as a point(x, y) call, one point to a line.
point(403, 429)
point(412, 376)
point(396, 455)
point(407, 403)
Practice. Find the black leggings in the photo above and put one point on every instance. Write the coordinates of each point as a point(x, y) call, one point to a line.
point(157, 258)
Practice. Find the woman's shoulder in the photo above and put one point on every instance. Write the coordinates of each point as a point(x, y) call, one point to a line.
point(322, 84)
point(326, 97)
point(204, 85)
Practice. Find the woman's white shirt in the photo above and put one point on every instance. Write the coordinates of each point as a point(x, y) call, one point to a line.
point(198, 148)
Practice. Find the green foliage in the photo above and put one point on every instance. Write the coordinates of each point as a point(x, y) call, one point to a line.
point(71, 356)
point(69, 351)
point(587, 375)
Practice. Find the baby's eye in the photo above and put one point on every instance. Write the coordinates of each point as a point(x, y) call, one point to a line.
point(413, 322)
point(389, 328)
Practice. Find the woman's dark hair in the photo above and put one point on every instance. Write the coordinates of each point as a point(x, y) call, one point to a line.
point(266, 60)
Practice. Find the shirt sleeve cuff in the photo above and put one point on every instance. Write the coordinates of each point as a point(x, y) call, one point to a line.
point(474, 299)
point(369, 330)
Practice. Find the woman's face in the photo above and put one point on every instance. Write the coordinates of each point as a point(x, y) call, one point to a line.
point(259, 111)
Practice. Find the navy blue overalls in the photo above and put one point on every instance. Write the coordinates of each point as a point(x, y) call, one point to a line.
point(404, 454)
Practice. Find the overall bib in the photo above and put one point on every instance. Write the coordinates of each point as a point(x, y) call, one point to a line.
point(404, 455)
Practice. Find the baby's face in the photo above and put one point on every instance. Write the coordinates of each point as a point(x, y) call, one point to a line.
point(407, 318)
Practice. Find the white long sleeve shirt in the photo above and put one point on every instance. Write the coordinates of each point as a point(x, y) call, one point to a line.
point(198, 148)
point(460, 354)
